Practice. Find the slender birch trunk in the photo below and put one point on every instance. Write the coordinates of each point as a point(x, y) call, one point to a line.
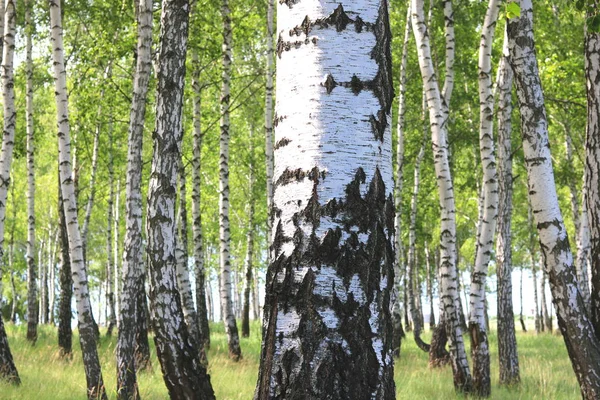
point(117, 254)
point(412, 248)
point(534, 272)
point(181, 254)
point(331, 273)
point(183, 373)
point(65, 333)
point(86, 325)
point(110, 296)
point(521, 317)
point(227, 314)
point(248, 266)
point(430, 289)
point(269, 118)
point(8, 370)
point(578, 332)
point(52, 266)
point(32, 300)
point(546, 319)
point(507, 342)
point(133, 294)
point(199, 269)
point(399, 265)
point(448, 282)
point(480, 350)
point(583, 250)
point(592, 158)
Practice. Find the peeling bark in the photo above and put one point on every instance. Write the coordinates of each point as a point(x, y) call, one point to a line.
point(577, 330)
point(327, 324)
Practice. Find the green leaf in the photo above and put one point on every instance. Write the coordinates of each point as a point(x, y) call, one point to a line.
point(580, 4)
point(513, 9)
point(593, 23)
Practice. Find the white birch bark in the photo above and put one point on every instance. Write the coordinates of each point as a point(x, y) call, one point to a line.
point(32, 297)
point(269, 118)
point(132, 273)
point(248, 261)
point(582, 344)
point(330, 276)
point(480, 351)
point(448, 281)
point(199, 269)
point(399, 265)
point(583, 251)
point(110, 296)
point(227, 314)
point(8, 370)
point(116, 281)
point(507, 343)
point(87, 334)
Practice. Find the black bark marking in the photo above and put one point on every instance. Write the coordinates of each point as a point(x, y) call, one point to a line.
point(329, 84)
point(282, 143)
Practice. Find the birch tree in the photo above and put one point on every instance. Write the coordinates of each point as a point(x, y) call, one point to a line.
point(327, 322)
point(248, 265)
point(32, 300)
point(86, 325)
point(201, 310)
point(507, 342)
point(480, 351)
point(592, 153)
point(577, 330)
point(227, 314)
point(110, 296)
point(8, 370)
point(65, 333)
point(269, 117)
point(448, 274)
point(184, 375)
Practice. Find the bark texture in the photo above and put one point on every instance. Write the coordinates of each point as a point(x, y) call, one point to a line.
point(577, 330)
point(248, 264)
point(448, 282)
point(270, 72)
point(507, 342)
point(183, 373)
point(65, 333)
point(327, 324)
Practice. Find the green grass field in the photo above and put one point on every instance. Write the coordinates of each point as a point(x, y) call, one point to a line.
point(546, 372)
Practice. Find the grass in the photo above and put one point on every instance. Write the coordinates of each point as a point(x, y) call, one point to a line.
point(546, 372)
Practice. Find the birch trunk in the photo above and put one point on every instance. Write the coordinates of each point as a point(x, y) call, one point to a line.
point(269, 118)
point(227, 312)
point(86, 325)
point(578, 332)
point(399, 265)
point(132, 273)
point(507, 342)
point(8, 370)
point(414, 293)
point(430, 289)
point(183, 276)
point(248, 266)
point(480, 350)
point(327, 308)
point(199, 269)
point(32, 300)
point(448, 282)
point(592, 159)
point(110, 296)
point(546, 318)
point(52, 266)
point(583, 251)
point(184, 375)
point(65, 334)
point(116, 286)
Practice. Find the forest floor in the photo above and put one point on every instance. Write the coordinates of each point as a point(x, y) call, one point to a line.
point(546, 371)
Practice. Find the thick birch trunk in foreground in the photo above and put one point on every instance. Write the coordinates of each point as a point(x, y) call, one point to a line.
point(32, 301)
point(448, 282)
point(132, 272)
point(507, 342)
point(86, 324)
point(201, 310)
point(592, 163)
point(8, 370)
point(399, 265)
point(184, 375)
point(327, 324)
point(227, 315)
point(480, 349)
point(577, 330)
